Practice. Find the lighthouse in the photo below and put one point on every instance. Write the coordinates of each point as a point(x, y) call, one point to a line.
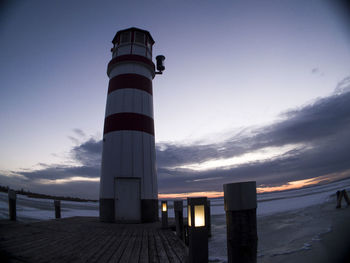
point(128, 184)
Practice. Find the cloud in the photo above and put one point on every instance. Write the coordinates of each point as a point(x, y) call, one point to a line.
point(312, 140)
point(78, 180)
point(343, 86)
point(322, 128)
point(88, 153)
point(315, 70)
point(79, 132)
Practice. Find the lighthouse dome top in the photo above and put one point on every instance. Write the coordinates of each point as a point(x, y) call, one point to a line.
point(133, 34)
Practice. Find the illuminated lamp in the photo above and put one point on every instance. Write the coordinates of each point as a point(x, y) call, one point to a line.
point(197, 229)
point(164, 206)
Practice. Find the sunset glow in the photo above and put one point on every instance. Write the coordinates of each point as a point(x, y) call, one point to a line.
point(209, 194)
point(254, 156)
point(303, 183)
point(265, 189)
point(70, 179)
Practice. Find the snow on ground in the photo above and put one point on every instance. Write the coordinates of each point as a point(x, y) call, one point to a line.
point(35, 209)
point(268, 203)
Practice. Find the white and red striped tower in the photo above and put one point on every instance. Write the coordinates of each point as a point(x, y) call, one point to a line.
point(128, 186)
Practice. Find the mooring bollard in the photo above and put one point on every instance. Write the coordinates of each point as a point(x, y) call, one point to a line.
point(339, 198)
point(207, 218)
point(346, 197)
point(57, 204)
point(12, 204)
point(179, 221)
point(186, 234)
point(340, 195)
point(240, 206)
point(197, 230)
point(164, 214)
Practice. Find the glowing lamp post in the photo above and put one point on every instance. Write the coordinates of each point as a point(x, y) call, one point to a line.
point(164, 214)
point(197, 229)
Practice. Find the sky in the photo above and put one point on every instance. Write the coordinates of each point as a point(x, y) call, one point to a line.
point(253, 90)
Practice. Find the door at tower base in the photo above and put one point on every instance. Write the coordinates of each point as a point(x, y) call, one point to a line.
point(127, 200)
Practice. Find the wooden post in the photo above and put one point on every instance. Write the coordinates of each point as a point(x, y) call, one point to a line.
point(339, 198)
point(207, 218)
point(179, 220)
point(346, 197)
point(164, 209)
point(57, 204)
point(12, 204)
point(197, 230)
point(240, 206)
point(186, 234)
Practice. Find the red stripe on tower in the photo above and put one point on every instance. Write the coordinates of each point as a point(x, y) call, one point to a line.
point(129, 121)
point(130, 81)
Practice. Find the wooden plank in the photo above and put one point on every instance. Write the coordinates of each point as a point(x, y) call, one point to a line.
point(44, 251)
point(114, 245)
point(167, 247)
point(99, 244)
point(26, 244)
point(163, 257)
point(57, 248)
point(143, 258)
point(152, 250)
point(72, 250)
point(88, 240)
point(128, 251)
point(26, 247)
point(135, 253)
point(104, 254)
point(89, 247)
point(179, 247)
point(122, 246)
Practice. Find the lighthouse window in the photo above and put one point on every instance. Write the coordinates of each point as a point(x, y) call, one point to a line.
point(125, 37)
point(149, 45)
point(139, 37)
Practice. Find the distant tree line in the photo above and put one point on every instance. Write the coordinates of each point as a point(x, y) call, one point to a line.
point(43, 196)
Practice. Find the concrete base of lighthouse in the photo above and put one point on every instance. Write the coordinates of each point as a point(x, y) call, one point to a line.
point(149, 210)
point(107, 210)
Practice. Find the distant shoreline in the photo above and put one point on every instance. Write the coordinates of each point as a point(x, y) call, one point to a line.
point(5, 189)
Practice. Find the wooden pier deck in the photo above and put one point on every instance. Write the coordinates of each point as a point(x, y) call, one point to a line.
point(85, 239)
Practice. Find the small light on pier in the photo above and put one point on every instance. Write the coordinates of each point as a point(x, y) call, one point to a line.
point(197, 229)
point(164, 206)
point(199, 216)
